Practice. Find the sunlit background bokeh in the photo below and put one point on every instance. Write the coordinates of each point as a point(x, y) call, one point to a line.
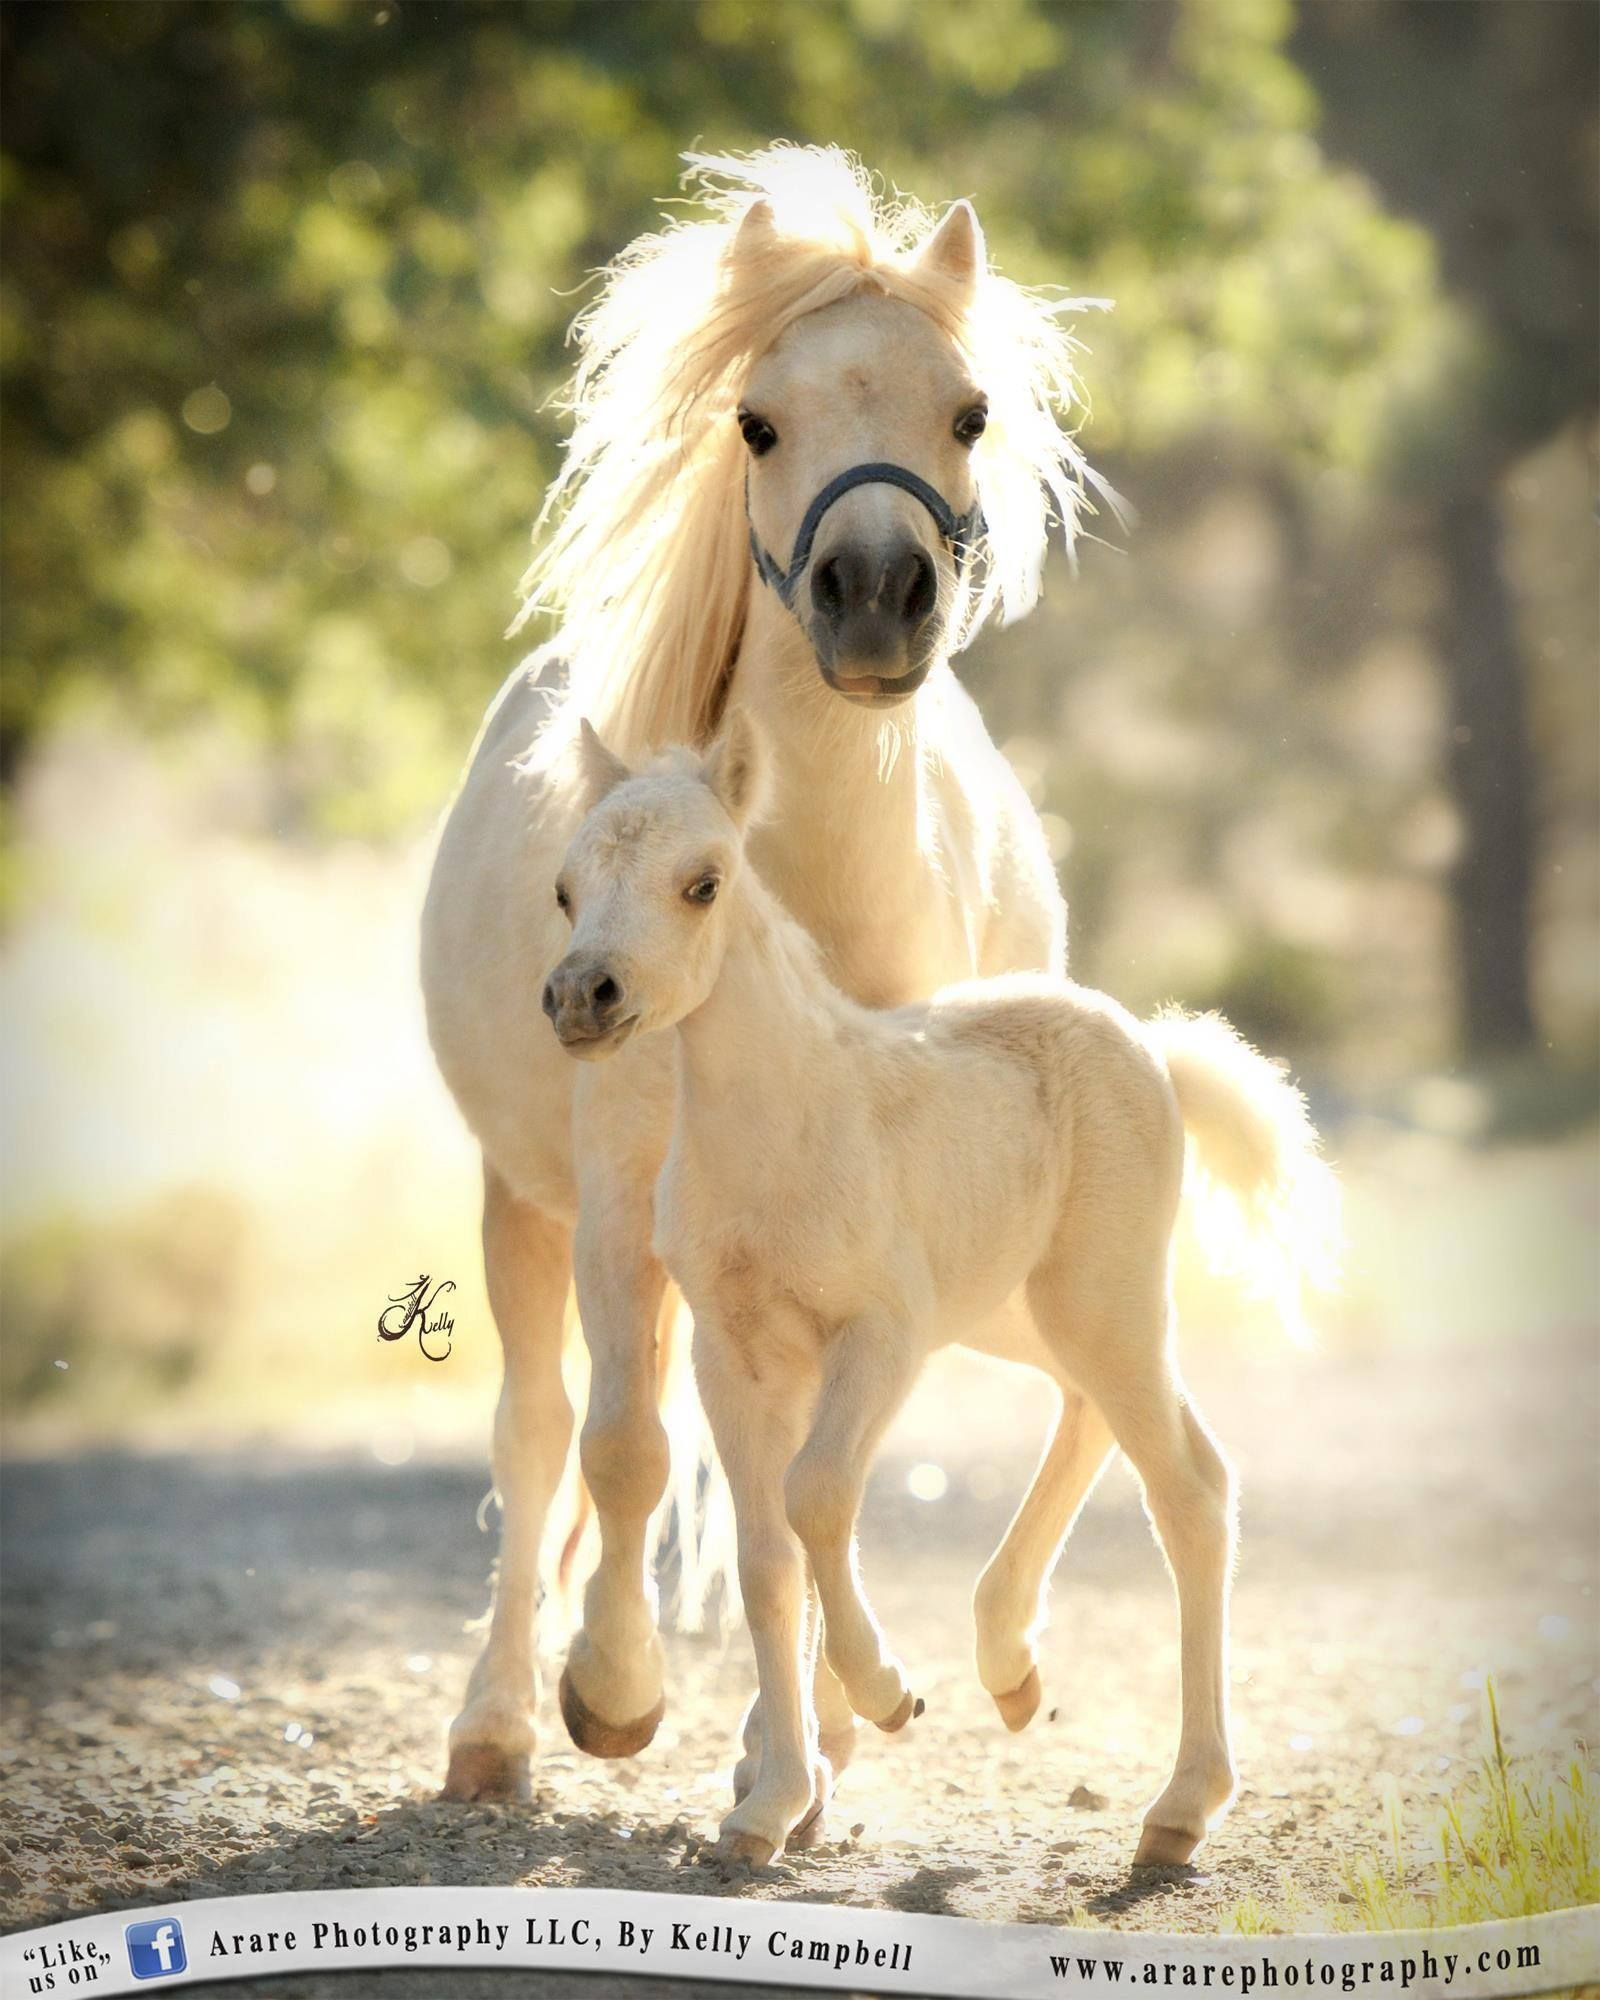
point(1315, 739)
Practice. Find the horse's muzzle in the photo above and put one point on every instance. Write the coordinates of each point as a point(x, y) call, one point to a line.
point(872, 619)
point(876, 690)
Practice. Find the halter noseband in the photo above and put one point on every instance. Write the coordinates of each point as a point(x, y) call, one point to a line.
point(958, 530)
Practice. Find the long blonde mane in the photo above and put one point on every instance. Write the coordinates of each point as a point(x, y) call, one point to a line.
point(642, 550)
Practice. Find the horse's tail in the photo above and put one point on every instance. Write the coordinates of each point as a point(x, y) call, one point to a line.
point(695, 1522)
point(695, 1519)
point(1269, 1202)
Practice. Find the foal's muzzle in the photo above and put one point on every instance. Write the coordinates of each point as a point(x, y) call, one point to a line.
point(587, 1006)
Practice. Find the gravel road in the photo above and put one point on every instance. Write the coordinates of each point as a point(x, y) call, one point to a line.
point(228, 1673)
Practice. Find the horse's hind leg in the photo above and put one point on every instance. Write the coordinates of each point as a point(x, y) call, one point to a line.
point(1009, 1603)
point(528, 1264)
point(1110, 1329)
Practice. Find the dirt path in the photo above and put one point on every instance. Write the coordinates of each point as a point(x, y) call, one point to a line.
point(227, 1675)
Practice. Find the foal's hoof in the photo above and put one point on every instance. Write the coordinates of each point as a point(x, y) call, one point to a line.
point(742, 1853)
point(1018, 1708)
point(811, 1832)
point(481, 1771)
point(910, 1707)
point(1165, 1847)
point(605, 1739)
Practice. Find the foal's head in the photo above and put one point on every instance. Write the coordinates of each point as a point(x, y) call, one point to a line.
point(644, 886)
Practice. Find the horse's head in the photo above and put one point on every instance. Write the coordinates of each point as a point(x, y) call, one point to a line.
point(882, 375)
point(860, 422)
point(644, 886)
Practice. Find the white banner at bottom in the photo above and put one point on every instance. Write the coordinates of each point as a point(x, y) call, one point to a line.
point(824, 1946)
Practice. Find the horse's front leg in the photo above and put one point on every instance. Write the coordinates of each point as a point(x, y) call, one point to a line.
point(870, 1368)
point(611, 1690)
point(527, 1259)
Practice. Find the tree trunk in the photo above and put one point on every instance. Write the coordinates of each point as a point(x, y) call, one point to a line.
point(1491, 777)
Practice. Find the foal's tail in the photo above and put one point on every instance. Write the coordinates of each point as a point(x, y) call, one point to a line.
point(1269, 1201)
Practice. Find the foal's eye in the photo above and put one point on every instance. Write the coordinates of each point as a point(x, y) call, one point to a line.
point(703, 891)
point(971, 424)
point(563, 900)
point(757, 433)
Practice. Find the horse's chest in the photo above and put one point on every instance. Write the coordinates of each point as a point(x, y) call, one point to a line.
point(889, 934)
point(905, 955)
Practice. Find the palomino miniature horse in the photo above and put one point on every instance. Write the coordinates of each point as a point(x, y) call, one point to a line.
point(846, 1190)
point(787, 416)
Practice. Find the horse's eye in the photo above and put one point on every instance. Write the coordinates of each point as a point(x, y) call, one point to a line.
point(563, 901)
point(703, 891)
point(757, 433)
point(971, 424)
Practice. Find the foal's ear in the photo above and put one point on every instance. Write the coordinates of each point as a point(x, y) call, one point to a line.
point(955, 251)
point(599, 770)
point(735, 768)
point(756, 234)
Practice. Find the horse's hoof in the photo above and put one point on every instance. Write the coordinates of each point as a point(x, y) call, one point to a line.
point(742, 1853)
point(482, 1771)
point(1165, 1847)
point(1018, 1708)
point(910, 1707)
point(811, 1832)
point(605, 1739)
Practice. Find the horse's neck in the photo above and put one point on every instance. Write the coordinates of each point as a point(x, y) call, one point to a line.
point(752, 1054)
point(845, 846)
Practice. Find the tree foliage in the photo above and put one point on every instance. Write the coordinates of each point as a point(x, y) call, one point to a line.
point(286, 287)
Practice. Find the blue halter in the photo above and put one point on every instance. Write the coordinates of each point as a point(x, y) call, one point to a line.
point(960, 531)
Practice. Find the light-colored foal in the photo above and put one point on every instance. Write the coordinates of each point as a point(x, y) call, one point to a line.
point(846, 1190)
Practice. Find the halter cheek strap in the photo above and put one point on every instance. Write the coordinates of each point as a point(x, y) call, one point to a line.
point(960, 531)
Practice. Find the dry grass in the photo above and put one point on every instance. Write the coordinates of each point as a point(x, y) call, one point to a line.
point(1513, 1841)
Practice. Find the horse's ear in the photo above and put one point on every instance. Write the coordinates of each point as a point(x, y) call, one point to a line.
point(955, 251)
point(600, 770)
point(756, 234)
point(735, 768)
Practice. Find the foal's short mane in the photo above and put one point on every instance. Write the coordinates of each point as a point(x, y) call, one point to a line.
point(645, 561)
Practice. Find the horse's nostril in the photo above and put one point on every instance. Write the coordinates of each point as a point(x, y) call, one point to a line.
point(548, 999)
point(827, 587)
point(918, 588)
point(605, 993)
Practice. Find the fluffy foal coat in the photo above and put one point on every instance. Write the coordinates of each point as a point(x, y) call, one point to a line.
point(846, 1190)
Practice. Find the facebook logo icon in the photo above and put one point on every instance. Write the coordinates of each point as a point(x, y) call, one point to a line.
point(156, 1950)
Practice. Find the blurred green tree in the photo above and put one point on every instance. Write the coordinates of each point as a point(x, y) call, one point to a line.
point(1481, 120)
point(285, 289)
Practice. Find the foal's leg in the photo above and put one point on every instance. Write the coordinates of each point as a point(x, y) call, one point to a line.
point(870, 1367)
point(836, 1719)
point(1115, 1339)
point(611, 1690)
point(836, 1727)
point(527, 1262)
point(757, 1425)
point(1009, 1605)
